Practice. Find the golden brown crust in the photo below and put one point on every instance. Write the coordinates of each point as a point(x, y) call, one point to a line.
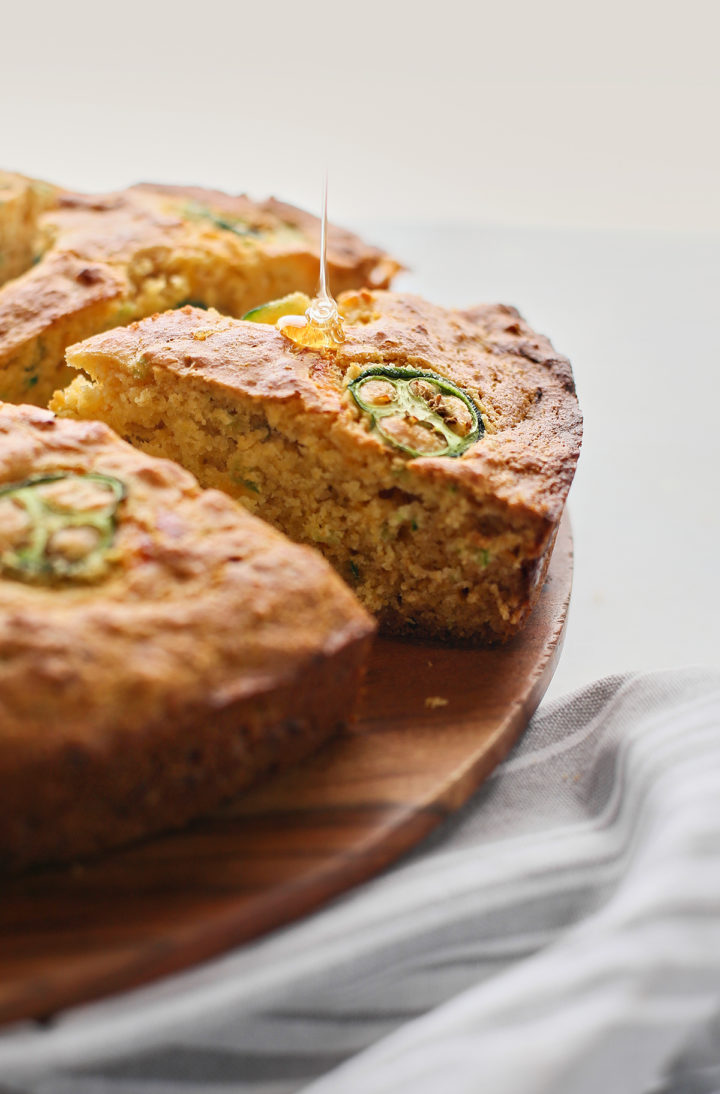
point(349, 258)
point(66, 287)
point(523, 388)
point(107, 259)
point(197, 647)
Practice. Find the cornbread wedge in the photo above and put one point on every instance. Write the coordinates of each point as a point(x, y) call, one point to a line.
point(22, 201)
point(105, 260)
point(429, 458)
point(160, 648)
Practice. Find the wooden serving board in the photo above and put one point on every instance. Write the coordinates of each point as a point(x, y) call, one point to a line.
point(70, 935)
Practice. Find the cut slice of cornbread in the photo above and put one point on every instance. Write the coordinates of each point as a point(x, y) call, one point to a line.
point(429, 458)
point(105, 260)
point(160, 648)
point(22, 201)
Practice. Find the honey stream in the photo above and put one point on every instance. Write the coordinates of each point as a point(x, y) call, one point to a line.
point(321, 326)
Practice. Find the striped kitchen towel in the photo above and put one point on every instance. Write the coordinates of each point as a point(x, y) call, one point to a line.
point(560, 935)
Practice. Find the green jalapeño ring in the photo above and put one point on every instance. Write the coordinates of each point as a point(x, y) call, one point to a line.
point(419, 413)
point(50, 523)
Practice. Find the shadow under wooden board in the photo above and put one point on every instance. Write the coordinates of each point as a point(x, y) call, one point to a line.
point(434, 722)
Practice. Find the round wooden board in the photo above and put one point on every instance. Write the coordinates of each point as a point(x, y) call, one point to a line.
point(70, 935)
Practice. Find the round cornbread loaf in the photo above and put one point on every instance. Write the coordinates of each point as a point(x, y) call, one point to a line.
point(454, 545)
point(105, 260)
point(201, 650)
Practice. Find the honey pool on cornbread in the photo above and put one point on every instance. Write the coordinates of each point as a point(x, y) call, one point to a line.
point(451, 539)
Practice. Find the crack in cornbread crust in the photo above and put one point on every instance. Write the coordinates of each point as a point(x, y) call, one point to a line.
point(445, 546)
point(213, 651)
point(105, 260)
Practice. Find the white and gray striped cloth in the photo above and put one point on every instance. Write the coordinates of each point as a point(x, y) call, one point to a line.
point(561, 935)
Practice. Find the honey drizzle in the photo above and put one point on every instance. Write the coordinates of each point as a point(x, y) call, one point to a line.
point(321, 326)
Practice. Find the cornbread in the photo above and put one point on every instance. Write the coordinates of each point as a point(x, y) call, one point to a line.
point(22, 200)
point(105, 260)
point(160, 648)
point(428, 458)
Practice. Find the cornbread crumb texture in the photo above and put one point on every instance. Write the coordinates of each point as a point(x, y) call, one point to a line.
point(434, 545)
point(100, 261)
point(210, 649)
point(22, 200)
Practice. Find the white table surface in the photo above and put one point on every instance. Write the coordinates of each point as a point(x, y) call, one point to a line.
point(639, 316)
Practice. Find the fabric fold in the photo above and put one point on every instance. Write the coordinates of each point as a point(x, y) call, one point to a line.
point(560, 934)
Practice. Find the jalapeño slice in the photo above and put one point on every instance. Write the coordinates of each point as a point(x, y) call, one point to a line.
point(62, 539)
point(296, 303)
point(418, 412)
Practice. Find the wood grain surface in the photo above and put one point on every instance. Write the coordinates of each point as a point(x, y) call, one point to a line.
point(434, 722)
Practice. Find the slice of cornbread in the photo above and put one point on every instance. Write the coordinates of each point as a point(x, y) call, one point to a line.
point(160, 648)
point(106, 260)
point(437, 496)
point(22, 201)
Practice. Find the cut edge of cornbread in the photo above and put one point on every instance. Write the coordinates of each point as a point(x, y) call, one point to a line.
point(22, 201)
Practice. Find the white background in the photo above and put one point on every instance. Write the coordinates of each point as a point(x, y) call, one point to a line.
point(557, 155)
point(527, 112)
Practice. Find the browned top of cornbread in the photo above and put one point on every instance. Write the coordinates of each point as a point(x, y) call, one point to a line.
point(96, 248)
point(523, 388)
point(201, 604)
point(295, 229)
